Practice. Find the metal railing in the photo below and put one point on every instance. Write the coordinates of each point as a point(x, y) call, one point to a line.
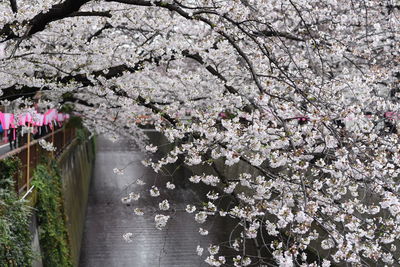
point(31, 153)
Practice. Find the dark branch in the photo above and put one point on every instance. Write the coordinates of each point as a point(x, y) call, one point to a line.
point(40, 21)
point(286, 35)
point(90, 14)
point(14, 6)
point(56, 12)
point(98, 32)
point(171, 7)
point(16, 91)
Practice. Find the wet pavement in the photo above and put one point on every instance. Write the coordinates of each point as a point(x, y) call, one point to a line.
point(5, 148)
point(108, 219)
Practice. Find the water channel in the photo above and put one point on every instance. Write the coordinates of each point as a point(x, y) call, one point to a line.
point(108, 219)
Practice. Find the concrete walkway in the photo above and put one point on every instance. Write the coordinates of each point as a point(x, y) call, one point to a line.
point(108, 219)
point(4, 148)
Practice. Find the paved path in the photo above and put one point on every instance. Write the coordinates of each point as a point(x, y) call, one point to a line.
point(5, 148)
point(108, 219)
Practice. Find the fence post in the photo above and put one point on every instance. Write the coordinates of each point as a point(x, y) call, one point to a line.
point(28, 158)
point(63, 140)
point(52, 138)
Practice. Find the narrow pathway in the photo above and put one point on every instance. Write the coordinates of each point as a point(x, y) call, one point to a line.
point(4, 148)
point(108, 219)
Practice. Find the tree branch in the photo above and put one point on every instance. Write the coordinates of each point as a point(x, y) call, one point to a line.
point(14, 6)
point(90, 14)
point(40, 21)
point(266, 33)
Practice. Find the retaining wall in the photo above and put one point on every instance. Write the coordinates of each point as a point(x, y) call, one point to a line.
point(76, 164)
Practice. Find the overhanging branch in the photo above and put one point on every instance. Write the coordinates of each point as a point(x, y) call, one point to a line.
point(14, 6)
point(41, 20)
point(90, 14)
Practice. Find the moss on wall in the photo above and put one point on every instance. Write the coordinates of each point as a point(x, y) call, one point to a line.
point(60, 198)
point(53, 236)
point(62, 190)
point(15, 235)
point(76, 165)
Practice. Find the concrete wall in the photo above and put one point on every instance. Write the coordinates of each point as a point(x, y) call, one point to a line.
point(35, 242)
point(76, 165)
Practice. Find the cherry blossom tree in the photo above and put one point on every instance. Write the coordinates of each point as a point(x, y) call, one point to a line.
point(304, 93)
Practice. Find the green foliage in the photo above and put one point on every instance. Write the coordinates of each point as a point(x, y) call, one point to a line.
point(53, 232)
point(82, 135)
point(8, 168)
point(67, 108)
point(75, 122)
point(81, 132)
point(15, 237)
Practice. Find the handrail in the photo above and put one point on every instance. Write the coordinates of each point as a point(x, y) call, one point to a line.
point(25, 146)
point(29, 191)
point(31, 152)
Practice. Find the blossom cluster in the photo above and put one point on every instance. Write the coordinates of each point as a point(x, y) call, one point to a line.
point(273, 99)
point(48, 146)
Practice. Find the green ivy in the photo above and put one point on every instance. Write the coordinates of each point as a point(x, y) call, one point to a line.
point(53, 233)
point(81, 135)
point(15, 237)
point(75, 122)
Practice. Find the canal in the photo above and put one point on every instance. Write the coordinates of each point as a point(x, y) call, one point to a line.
point(108, 219)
